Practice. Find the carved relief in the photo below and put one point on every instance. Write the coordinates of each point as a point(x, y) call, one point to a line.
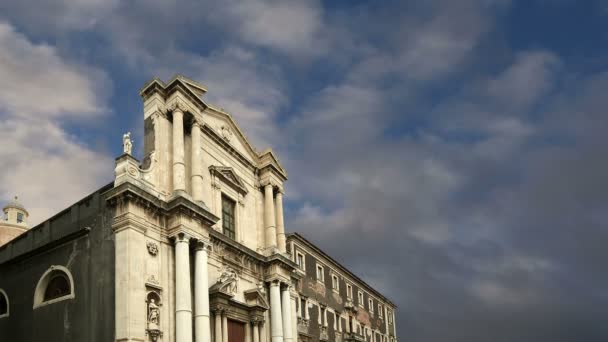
point(324, 336)
point(226, 133)
point(152, 248)
point(227, 282)
point(152, 280)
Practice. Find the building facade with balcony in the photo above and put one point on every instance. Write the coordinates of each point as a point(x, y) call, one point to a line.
point(334, 304)
point(187, 245)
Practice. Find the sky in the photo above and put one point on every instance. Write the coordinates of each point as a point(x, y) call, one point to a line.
point(451, 153)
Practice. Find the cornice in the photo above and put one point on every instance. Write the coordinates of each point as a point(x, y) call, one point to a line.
point(329, 260)
point(130, 192)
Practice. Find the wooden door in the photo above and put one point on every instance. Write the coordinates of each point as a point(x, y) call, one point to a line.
point(236, 331)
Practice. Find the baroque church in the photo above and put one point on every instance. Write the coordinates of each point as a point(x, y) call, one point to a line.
point(187, 245)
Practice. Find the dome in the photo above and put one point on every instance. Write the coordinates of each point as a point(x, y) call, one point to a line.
point(14, 204)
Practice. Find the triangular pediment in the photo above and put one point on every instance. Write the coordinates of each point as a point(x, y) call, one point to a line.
point(226, 129)
point(255, 297)
point(228, 176)
point(269, 160)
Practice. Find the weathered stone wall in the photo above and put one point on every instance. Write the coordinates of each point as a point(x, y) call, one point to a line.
point(80, 239)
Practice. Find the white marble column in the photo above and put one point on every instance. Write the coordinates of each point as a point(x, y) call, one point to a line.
point(179, 168)
point(269, 219)
point(294, 319)
point(248, 332)
point(183, 300)
point(224, 326)
point(256, 331)
point(197, 162)
point(218, 325)
point(263, 337)
point(202, 326)
point(276, 319)
point(280, 222)
point(286, 310)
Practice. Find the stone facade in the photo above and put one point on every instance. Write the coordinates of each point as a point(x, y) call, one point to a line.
point(334, 304)
point(196, 234)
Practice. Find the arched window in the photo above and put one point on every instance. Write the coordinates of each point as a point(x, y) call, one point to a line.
point(4, 304)
point(56, 284)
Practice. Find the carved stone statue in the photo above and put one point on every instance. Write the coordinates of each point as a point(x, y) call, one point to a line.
point(153, 315)
point(227, 282)
point(127, 144)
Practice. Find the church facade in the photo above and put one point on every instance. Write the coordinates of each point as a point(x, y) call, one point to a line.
point(187, 245)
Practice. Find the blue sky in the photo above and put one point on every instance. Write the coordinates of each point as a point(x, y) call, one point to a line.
point(452, 153)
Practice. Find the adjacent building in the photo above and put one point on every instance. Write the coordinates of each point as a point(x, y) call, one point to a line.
point(14, 222)
point(186, 245)
point(333, 304)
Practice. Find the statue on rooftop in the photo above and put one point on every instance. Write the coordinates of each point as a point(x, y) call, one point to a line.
point(127, 144)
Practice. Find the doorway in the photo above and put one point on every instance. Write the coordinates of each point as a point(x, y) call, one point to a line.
point(236, 331)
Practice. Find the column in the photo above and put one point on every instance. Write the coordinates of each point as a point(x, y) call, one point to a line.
point(276, 321)
point(286, 310)
point(306, 312)
point(248, 332)
point(269, 220)
point(256, 331)
point(179, 169)
point(201, 296)
point(197, 162)
point(280, 221)
point(263, 332)
point(218, 325)
point(224, 326)
point(183, 304)
point(294, 320)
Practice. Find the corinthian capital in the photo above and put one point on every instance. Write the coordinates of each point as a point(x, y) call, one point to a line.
point(177, 105)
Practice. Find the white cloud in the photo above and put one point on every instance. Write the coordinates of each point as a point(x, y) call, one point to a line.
point(36, 81)
point(246, 86)
point(43, 164)
point(288, 26)
point(47, 168)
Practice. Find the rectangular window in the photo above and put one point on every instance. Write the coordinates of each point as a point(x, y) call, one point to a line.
point(370, 305)
point(228, 223)
point(335, 283)
point(389, 313)
point(300, 260)
point(19, 217)
point(303, 306)
point(320, 274)
point(349, 291)
point(380, 313)
point(360, 297)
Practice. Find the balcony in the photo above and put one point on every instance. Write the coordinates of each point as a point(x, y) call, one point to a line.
point(324, 336)
point(353, 337)
point(303, 325)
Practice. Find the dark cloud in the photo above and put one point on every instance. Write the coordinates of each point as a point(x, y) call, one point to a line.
point(459, 172)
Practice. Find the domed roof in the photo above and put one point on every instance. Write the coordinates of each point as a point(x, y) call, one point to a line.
point(14, 204)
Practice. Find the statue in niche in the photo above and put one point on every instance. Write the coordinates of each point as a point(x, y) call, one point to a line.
point(127, 143)
point(153, 314)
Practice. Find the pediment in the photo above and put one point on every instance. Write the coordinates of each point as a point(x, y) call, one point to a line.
point(228, 176)
point(269, 160)
point(255, 297)
point(228, 132)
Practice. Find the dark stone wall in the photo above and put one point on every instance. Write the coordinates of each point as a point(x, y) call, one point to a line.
point(62, 240)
